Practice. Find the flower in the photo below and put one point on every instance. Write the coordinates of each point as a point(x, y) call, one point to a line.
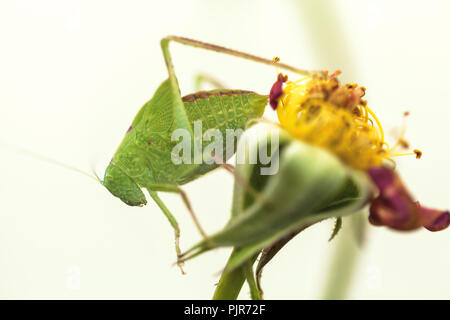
point(321, 111)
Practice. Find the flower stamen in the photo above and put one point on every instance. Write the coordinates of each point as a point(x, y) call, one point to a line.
point(322, 112)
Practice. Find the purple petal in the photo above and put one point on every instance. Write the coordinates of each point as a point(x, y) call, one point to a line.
point(434, 220)
point(276, 91)
point(395, 208)
point(382, 177)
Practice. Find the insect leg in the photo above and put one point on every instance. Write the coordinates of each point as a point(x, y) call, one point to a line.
point(191, 211)
point(202, 78)
point(173, 223)
point(170, 217)
point(175, 88)
point(235, 53)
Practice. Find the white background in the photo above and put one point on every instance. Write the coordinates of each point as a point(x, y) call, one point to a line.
point(74, 73)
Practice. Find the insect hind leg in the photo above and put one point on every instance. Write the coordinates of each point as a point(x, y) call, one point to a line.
point(203, 78)
point(192, 213)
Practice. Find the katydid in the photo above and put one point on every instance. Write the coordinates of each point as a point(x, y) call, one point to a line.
point(143, 159)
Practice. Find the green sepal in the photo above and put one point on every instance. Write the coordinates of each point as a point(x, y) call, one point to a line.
point(311, 185)
point(336, 229)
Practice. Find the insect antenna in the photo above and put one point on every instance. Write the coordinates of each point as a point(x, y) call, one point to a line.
point(44, 158)
point(95, 173)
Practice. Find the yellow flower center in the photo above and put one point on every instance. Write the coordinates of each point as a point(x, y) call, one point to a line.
point(322, 112)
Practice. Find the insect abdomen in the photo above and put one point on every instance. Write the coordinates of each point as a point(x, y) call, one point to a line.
point(222, 110)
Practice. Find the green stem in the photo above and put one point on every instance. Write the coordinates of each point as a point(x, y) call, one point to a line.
point(250, 275)
point(230, 283)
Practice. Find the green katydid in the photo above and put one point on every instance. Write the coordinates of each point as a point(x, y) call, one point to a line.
point(143, 159)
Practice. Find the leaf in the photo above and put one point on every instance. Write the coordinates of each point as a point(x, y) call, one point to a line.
point(337, 228)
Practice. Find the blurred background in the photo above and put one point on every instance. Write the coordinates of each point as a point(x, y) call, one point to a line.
point(74, 73)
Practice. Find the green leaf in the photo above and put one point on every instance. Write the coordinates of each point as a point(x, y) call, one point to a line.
point(336, 229)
